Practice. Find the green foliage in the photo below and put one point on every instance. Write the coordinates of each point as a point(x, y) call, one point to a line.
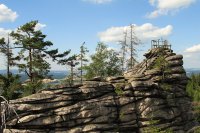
point(67, 81)
point(11, 87)
point(162, 65)
point(33, 51)
point(32, 87)
point(64, 60)
point(193, 87)
point(118, 90)
point(82, 59)
point(83, 51)
point(97, 66)
point(121, 115)
point(72, 63)
point(160, 62)
point(152, 128)
point(197, 130)
point(196, 107)
point(5, 49)
point(2, 41)
point(103, 63)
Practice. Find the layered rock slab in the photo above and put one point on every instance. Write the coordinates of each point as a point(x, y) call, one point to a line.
point(126, 104)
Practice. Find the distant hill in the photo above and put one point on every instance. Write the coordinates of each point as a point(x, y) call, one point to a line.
point(190, 71)
point(55, 74)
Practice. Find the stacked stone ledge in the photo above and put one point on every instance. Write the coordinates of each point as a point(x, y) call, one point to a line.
point(125, 104)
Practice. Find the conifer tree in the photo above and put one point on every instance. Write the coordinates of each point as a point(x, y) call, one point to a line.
point(34, 51)
point(6, 49)
point(83, 59)
point(69, 61)
point(10, 84)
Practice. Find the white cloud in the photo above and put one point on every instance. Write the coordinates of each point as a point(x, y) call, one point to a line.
point(7, 14)
point(39, 26)
point(112, 48)
point(191, 60)
point(144, 32)
point(98, 1)
point(4, 33)
point(152, 2)
point(164, 7)
point(193, 49)
point(192, 56)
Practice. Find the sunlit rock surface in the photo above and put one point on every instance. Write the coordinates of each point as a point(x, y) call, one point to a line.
point(126, 104)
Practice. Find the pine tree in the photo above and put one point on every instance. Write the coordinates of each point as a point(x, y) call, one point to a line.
point(83, 59)
point(6, 49)
point(10, 83)
point(33, 51)
point(70, 61)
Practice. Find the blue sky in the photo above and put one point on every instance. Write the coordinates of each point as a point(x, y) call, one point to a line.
point(68, 23)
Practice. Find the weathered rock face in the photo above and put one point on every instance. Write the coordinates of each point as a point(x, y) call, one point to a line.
point(119, 104)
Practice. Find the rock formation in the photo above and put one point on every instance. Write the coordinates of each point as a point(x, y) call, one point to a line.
point(148, 95)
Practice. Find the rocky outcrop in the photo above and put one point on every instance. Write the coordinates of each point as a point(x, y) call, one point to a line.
point(146, 96)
